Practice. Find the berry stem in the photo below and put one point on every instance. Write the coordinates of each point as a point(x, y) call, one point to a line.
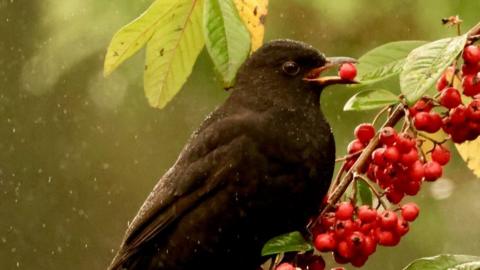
point(435, 142)
point(348, 156)
point(396, 115)
point(372, 188)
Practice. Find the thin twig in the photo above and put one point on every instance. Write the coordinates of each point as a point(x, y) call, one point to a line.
point(337, 178)
point(383, 110)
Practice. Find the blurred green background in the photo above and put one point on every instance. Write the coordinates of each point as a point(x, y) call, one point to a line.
point(79, 153)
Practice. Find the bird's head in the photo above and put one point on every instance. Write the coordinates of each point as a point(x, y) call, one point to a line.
point(289, 70)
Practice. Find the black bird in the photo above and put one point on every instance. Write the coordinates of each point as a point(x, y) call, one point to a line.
point(257, 167)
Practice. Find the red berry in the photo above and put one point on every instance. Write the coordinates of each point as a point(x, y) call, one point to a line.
point(285, 266)
point(356, 240)
point(343, 229)
point(347, 71)
point(394, 195)
point(471, 54)
point(328, 220)
point(435, 123)
point(344, 211)
point(355, 146)
point(378, 157)
point(410, 211)
point(441, 155)
point(402, 227)
point(442, 83)
point(345, 250)
point(359, 260)
point(412, 188)
point(405, 142)
point(471, 85)
point(366, 214)
point(369, 247)
point(325, 242)
point(445, 79)
point(388, 238)
point(473, 110)
point(421, 120)
point(349, 164)
point(339, 259)
point(388, 136)
point(317, 264)
point(470, 69)
point(459, 135)
point(364, 132)
point(450, 98)
point(457, 115)
point(416, 172)
point(422, 105)
point(409, 158)
point(388, 219)
point(433, 171)
point(392, 154)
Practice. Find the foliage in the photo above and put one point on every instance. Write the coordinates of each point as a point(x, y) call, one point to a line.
point(370, 99)
point(426, 64)
point(444, 262)
point(174, 33)
point(384, 61)
point(289, 242)
point(227, 38)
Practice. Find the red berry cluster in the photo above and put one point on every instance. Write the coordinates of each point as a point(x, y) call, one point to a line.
point(352, 234)
point(396, 165)
point(460, 120)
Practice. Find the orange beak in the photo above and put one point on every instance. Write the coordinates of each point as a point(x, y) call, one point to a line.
point(314, 75)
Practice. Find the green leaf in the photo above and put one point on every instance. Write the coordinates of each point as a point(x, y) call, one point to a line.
point(289, 242)
point(364, 194)
point(384, 61)
point(370, 99)
point(172, 51)
point(425, 65)
point(226, 37)
point(133, 36)
point(446, 262)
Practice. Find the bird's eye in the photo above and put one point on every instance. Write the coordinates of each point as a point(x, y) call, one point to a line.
point(290, 68)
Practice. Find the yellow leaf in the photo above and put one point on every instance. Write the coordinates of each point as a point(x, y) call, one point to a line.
point(253, 14)
point(133, 36)
point(172, 51)
point(428, 145)
point(469, 151)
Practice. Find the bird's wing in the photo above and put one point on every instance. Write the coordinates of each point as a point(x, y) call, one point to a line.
point(199, 171)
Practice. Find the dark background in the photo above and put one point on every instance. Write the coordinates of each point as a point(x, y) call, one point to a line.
point(79, 153)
